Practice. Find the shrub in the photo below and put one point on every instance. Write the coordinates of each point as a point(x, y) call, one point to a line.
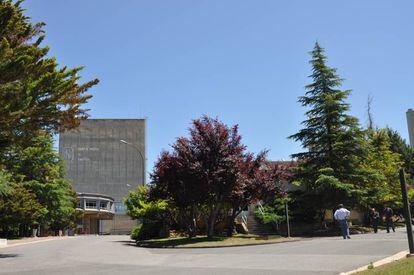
point(272, 211)
point(149, 230)
point(135, 232)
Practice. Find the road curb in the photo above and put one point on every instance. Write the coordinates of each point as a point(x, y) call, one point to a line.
point(393, 258)
point(38, 241)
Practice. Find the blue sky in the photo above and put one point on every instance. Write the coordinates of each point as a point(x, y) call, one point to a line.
point(245, 62)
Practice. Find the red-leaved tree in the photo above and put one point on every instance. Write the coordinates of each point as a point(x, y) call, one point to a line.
point(209, 171)
point(258, 180)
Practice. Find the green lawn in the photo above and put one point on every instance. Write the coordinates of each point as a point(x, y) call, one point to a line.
point(204, 241)
point(401, 267)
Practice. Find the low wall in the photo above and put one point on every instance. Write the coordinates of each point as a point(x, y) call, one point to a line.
point(3, 242)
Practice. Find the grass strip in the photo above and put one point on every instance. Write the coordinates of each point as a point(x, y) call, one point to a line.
point(400, 267)
point(204, 241)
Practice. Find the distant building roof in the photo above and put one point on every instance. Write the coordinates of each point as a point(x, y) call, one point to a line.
point(283, 163)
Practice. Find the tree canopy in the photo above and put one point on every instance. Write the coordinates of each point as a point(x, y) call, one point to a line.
point(35, 92)
point(329, 167)
point(400, 146)
point(382, 186)
point(210, 174)
point(343, 163)
point(39, 97)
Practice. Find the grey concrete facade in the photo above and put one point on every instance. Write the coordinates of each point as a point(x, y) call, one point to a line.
point(98, 162)
point(410, 123)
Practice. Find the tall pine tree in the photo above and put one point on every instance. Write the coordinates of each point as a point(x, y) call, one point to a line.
point(36, 94)
point(329, 168)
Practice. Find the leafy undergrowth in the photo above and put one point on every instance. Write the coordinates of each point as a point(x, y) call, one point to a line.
point(401, 267)
point(204, 241)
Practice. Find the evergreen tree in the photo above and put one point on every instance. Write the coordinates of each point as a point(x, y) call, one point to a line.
point(400, 146)
point(35, 92)
point(41, 171)
point(19, 212)
point(5, 187)
point(38, 98)
point(329, 167)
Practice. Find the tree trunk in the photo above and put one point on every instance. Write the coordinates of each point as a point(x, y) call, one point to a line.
point(189, 223)
point(230, 223)
point(323, 221)
point(212, 219)
point(5, 231)
point(230, 226)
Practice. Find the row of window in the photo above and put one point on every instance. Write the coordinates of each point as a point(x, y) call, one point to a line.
point(92, 204)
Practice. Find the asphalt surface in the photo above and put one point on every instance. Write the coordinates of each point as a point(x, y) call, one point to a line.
point(116, 255)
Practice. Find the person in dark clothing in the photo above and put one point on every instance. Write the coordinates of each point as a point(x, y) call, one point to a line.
point(388, 213)
point(374, 218)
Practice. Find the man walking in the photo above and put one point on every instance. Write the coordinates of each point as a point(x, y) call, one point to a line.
point(341, 215)
point(374, 217)
point(389, 214)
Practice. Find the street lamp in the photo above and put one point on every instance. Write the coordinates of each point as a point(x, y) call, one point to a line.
point(140, 154)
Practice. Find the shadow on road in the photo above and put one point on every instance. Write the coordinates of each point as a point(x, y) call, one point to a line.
point(123, 241)
point(128, 243)
point(8, 256)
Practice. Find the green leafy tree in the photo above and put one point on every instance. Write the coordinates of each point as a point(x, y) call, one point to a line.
point(329, 167)
point(273, 210)
point(19, 212)
point(35, 93)
point(141, 206)
point(5, 187)
point(38, 98)
point(155, 214)
point(383, 186)
point(41, 170)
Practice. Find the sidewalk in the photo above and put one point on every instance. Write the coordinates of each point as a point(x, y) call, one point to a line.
point(23, 241)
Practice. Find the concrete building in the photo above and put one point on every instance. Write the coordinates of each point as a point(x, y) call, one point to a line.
point(96, 209)
point(410, 123)
point(105, 159)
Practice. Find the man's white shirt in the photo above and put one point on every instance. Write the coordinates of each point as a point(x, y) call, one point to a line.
point(341, 214)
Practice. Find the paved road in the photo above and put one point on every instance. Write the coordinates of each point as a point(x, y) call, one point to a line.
point(114, 254)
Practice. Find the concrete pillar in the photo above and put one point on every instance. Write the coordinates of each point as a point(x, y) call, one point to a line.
point(3, 242)
point(410, 123)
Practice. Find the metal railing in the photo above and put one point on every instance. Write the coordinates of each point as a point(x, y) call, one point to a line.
point(244, 218)
point(261, 209)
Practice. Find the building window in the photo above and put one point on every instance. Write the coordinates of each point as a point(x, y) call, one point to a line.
point(91, 204)
point(103, 205)
point(120, 208)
